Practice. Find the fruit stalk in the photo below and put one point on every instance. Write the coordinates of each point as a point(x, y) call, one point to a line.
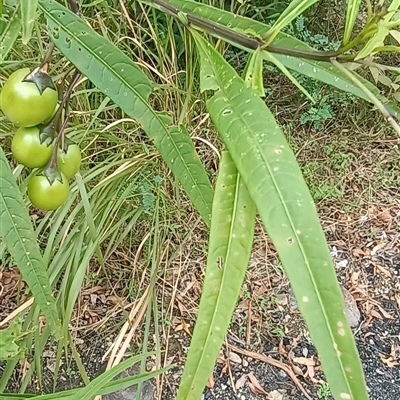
point(57, 115)
point(73, 5)
point(47, 58)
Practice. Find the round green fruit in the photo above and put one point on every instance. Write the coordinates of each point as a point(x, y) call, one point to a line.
point(31, 148)
point(22, 102)
point(69, 160)
point(47, 196)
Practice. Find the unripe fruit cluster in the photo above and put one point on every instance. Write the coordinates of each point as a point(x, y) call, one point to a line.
point(29, 100)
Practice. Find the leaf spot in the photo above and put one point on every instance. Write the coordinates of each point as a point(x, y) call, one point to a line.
point(298, 231)
point(341, 332)
point(345, 396)
point(277, 151)
point(305, 299)
point(347, 369)
point(56, 32)
point(340, 324)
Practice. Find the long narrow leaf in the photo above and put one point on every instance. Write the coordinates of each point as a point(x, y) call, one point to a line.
point(378, 39)
point(351, 15)
point(17, 232)
point(122, 81)
point(231, 238)
point(98, 383)
point(28, 14)
point(270, 57)
point(321, 71)
point(292, 11)
point(107, 388)
point(274, 180)
point(9, 36)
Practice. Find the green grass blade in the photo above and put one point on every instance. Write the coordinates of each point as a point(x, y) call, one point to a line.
point(9, 36)
point(321, 71)
point(93, 388)
point(28, 17)
point(351, 15)
point(122, 81)
point(274, 180)
point(292, 11)
point(270, 57)
point(89, 215)
point(18, 235)
point(109, 387)
point(231, 238)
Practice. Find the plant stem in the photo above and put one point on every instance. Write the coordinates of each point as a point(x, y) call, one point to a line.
point(377, 103)
point(73, 5)
point(56, 118)
point(47, 58)
point(244, 40)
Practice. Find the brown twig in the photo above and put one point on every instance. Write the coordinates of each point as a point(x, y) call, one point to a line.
point(73, 5)
point(273, 362)
point(47, 58)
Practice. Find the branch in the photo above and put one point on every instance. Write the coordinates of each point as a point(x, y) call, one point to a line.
point(377, 103)
point(243, 40)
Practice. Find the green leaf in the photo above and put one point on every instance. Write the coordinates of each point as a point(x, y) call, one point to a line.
point(107, 386)
point(94, 387)
point(9, 36)
point(274, 180)
point(271, 58)
point(292, 11)
point(9, 347)
point(253, 73)
point(17, 233)
point(121, 80)
point(231, 238)
point(384, 27)
point(28, 16)
point(321, 71)
point(351, 15)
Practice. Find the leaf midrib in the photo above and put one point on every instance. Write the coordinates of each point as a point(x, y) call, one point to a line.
point(43, 304)
point(167, 132)
point(223, 276)
point(299, 243)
